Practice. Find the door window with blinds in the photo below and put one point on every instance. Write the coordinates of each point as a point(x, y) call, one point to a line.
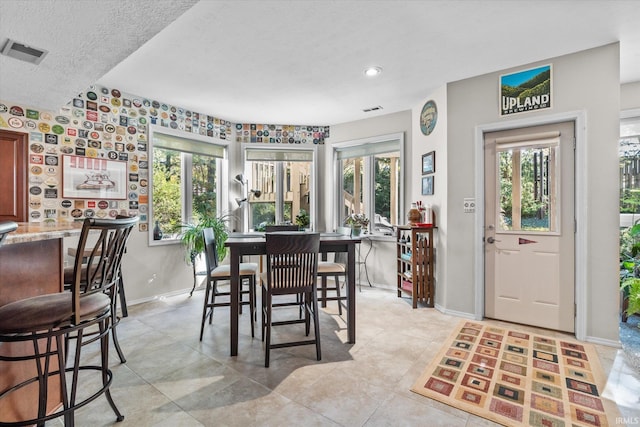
point(369, 173)
point(528, 196)
point(185, 181)
point(280, 187)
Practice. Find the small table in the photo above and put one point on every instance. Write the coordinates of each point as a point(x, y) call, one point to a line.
point(241, 244)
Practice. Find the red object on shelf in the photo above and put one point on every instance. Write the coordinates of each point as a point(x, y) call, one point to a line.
point(424, 225)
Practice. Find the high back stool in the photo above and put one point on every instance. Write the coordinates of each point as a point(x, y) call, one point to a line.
point(68, 282)
point(215, 273)
point(292, 269)
point(50, 323)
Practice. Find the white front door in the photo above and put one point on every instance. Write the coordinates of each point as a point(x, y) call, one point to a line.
point(529, 227)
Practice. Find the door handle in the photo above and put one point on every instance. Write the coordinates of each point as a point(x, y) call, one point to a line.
point(490, 239)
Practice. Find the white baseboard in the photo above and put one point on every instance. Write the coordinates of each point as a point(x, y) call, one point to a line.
point(602, 341)
point(455, 313)
point(157, 297)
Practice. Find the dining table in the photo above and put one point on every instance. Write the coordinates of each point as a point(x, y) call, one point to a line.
point(254, 243)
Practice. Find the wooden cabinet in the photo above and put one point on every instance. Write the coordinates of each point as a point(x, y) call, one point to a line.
point(416, 264)
point(13, 176)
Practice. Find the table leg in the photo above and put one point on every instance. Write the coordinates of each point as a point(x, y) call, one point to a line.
point(351, 294)
point(233, 310)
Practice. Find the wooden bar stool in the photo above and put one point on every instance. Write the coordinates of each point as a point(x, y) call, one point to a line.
point(292, 267)
point(215, 273)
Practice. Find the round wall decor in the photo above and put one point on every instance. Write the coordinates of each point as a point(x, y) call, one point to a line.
point(428, 117)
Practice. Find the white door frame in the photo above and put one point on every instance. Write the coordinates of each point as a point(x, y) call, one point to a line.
point(579, 117)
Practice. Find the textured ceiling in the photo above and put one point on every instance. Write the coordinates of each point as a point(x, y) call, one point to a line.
point(295, 61)
point(85, 39)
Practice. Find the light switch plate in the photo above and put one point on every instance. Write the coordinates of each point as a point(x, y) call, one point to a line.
point(469, 205)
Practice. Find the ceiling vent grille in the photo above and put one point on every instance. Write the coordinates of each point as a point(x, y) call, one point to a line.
point(23, 52)
point(376, 108)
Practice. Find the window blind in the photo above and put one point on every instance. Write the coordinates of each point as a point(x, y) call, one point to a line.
point(367, 149)
point(170, 142)
point(285, 155)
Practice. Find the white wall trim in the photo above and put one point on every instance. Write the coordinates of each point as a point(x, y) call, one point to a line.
point(601, 341)
point(455, 313)
point(581, 253)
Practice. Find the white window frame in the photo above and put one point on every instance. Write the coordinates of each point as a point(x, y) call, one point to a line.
point(222, 197)
point(279, 180)
point(369, 167)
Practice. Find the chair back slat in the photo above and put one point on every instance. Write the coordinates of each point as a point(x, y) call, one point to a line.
point(102, 270)
point(282, 227)
point(292, 261)
point(210, 249)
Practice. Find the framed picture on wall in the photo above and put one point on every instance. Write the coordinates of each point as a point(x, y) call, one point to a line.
point(427, 185)
point(93, 178)
point(429, 162)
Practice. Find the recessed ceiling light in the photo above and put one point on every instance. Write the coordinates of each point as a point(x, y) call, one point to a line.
point(372, 71)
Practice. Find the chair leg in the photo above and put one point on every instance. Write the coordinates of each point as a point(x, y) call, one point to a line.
point(267, 345)
point(316, 325)
point(116, 343)
point(337, 279)
point(263, 316)
point(106, 374)
point(240, 296)
point(204, 307)
point(214, 293)
point(123, 298)
point(324, 291)
point(62, 341)
point(252, 302)
point(307, 313)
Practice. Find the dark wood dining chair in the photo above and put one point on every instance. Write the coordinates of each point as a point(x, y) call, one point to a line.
point(335, 269)
point(216, 273)
point(6, 227)
point(292, 269)
point(45, 325)
point(277, 227)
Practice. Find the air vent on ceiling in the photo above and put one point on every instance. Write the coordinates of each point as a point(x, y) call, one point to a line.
point(376, 108)
point(23, 52)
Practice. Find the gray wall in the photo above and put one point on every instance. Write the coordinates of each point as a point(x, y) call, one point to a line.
point(586, 81)
point(630, 96)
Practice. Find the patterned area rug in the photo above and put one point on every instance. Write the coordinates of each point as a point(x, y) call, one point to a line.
point(518, 378)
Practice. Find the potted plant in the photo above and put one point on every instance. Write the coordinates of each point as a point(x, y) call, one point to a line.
point(302, 219)
point(357, 222)
point(193, 242)
point(630, 270)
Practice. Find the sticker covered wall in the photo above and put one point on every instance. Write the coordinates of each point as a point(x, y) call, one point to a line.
point(106, 124)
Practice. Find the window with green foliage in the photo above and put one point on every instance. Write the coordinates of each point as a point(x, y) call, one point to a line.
point(184, 183)
point(369, 173)
point(284, 178)
point(528, 186)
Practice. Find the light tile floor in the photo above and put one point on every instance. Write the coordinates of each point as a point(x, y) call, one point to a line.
point(173, 379)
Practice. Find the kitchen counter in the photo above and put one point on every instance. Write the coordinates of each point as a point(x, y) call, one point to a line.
point(33, 232)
